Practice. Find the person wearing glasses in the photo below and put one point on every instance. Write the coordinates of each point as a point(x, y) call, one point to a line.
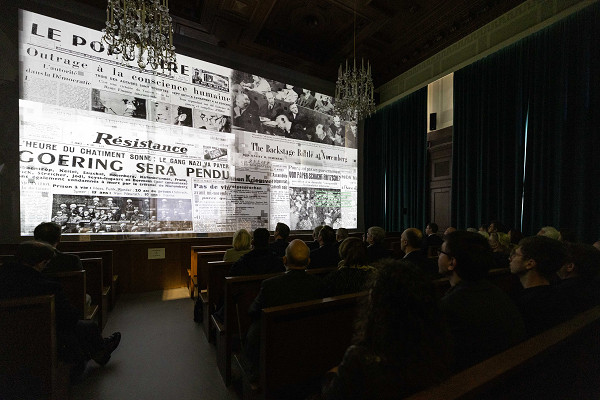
point(483, 320)
point(536, 261)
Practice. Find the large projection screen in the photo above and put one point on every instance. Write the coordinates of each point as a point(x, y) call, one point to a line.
point(198, 148)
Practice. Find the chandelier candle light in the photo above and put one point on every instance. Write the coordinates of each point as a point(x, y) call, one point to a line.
point(142, 30)
point(354, 92)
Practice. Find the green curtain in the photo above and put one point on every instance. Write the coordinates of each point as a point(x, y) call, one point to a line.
point(562, 183)
point(490, 109)
point(395, 164)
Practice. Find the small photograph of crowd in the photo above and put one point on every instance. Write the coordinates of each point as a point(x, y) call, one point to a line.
point(214, 153)
point(272, 108)
point(118, 104)
point(313, 207)
point(103, 214)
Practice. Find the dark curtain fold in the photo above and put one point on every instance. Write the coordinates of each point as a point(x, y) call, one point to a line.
point(490, 109)
point(562, 174)
point(395, 164)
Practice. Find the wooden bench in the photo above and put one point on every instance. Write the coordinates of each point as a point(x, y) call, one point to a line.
point(109, 278)
point(240, 292)
point(560, 363)
point(198, 275)
point(74, 284)
point(94, 287)
point(299, 341)
point(215, 293)
point(29, 368)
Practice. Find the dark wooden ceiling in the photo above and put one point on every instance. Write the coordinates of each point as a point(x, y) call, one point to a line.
point(315, 36)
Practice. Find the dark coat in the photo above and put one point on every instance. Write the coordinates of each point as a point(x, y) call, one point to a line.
point(427, 266)
point(377, 251)
point(278, 247)
point(257, 262)
point(325, 256)
point(431, 240)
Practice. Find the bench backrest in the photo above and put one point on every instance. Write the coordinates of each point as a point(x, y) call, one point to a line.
point(74, 285)
point(107, 263)
point(217, 271)
point(28, 359)
point(299, 341)
point(200, 269)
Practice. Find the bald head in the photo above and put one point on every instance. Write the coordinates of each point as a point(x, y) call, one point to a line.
point(296, 255)
point(411, 240)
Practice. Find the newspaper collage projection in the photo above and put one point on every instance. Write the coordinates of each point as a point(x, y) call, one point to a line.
point(106, 148)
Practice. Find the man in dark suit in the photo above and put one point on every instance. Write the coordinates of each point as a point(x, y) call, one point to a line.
point(49, 232)
point(410, 243)
point(376, 249)
point(260, 260)
point(282, 231)
point(294, 286)
point(77, 340)
point(431, 238)
point(328, 254)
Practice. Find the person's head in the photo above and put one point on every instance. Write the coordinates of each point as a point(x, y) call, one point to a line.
point(499, 242)
point(282, 230)
point(241, 240)
point(242, 101)
point(353, 128)
point(294, 108)
point(537, 253)
point(449, 230)
point(117, 104)
point(353, 252)
point(597, 245)
point(319, 131)
point(341, 234)
point(375, 235)
point(337, 121)
point(431, 228)
point(96, 200)
point(466, 254)
point(401, 320)
point(260, 238)
point(411, 239)
point(283, 122)
point(316, 232)
point(34, 254)
point(47, 232)
point(73, 206)
point(496, 226)
point(550, 232)
point(270, 98)
point(582, 260)
point(297, 255)
point(326, 235)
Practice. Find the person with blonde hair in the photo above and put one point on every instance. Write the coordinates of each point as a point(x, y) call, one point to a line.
point(549, 231)
point(241, 245)
point(501, 247)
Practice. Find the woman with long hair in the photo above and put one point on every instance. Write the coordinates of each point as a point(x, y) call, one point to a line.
point(401, 344)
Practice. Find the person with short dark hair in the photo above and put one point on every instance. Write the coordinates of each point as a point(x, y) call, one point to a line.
point(282, 232)
point(410, 243)
point(376, 249)
point(430, 239)
point(49, 232)
point(535, 262)
point(353, 270)
point(260, 260)
point(401, 342)
point(579, 276)
point(327, 255)
point(341, 234)
point(77, 340)
point(483, 321)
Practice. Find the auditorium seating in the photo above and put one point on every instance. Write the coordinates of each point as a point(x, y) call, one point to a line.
point(215, 291)
point(561, 363)
point(94, 287)
point(109, 278)
point(197, 272)
point(74, 283)
point(29, 368)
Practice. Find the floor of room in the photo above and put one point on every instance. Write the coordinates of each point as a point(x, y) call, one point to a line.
point(163, 353)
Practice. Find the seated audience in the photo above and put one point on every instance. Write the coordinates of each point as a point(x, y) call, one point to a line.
point(282, 231)
point(50, 233)
point(327, 255)
point(431, 238)
point(315, 243)
point(496, 226)
point(77, 340)
point(449, 230)
point(482, 319)
point(410, 243)
point(550, 232)
point(241, 245)
point(353, 271)
point(376, 249)
point(294, 286)
point(535, 262)
point(260, 260)
point(400, 345)
point(500, 244)
point(341, 234)
point(579, 276)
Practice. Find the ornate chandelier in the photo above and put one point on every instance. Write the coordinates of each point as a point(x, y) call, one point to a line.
point(140, 30)
point(354, 89)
